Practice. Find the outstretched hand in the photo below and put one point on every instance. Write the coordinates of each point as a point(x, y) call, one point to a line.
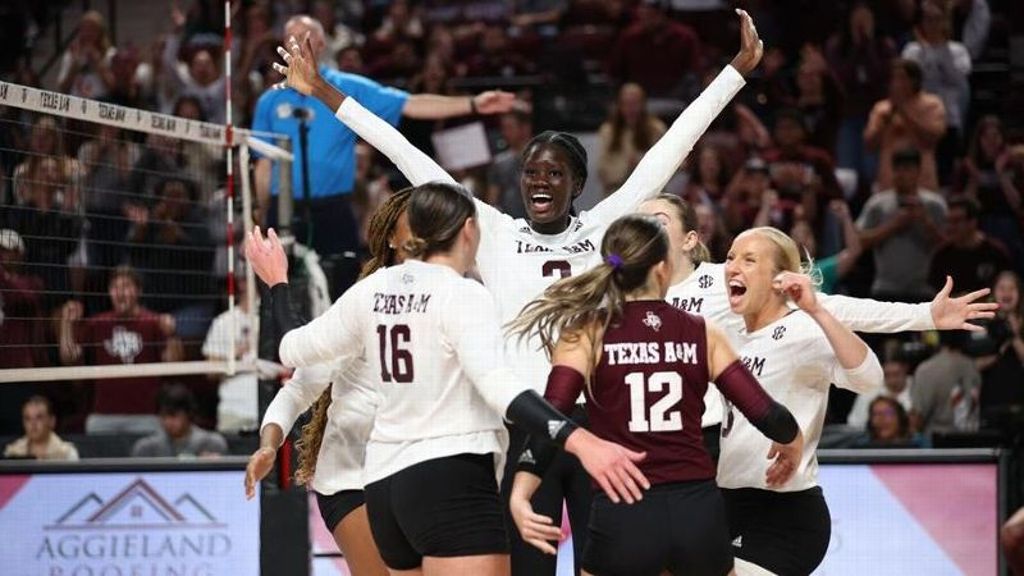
point(260, 464)
point(494, 102)
point(751, 46)
point(299, 69)
point(955, 313)
point(267, 257)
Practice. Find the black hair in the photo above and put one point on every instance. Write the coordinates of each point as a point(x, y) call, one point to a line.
point(40, 399)
point(175, 399)
point(913, 71)
point(970, 206)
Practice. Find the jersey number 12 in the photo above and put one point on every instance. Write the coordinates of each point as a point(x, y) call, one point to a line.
point(399, 359)
point(658, 417)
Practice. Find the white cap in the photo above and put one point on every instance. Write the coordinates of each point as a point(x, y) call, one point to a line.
point(11, 240)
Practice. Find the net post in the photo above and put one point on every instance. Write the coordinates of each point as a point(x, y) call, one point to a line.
point(247, 225)
point(285, 200)
point(230, 184)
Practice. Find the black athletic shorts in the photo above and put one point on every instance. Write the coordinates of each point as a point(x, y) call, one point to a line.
point(442, 508)
point(335, 507)
point(678, 527)
point(784, 532)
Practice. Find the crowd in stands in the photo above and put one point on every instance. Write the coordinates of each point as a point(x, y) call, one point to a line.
point(861, 135)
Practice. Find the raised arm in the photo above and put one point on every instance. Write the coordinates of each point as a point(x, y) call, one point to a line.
point(664, 158)
point(942, 313)
point(858, 368)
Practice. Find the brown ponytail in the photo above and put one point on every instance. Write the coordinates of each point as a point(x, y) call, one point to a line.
point(437, 211)
point(632, 245)
point(382, 254)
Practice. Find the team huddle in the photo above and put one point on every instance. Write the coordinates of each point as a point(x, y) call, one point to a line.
point(485, 369)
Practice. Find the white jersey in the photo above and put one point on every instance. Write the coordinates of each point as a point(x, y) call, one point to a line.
point(515, 262)
point(355, 395)
point(705, 292)
point(794, 362)
point(433, 339)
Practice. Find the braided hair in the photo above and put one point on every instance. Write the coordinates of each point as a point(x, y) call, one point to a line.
point(382, 254)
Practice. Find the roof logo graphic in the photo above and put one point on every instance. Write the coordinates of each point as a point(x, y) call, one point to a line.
point(138, 506)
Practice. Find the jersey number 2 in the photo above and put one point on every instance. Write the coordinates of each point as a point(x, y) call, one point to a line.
point(657, 418)
point(400, 359)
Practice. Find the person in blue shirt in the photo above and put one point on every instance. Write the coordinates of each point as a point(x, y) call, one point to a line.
point(331, 151)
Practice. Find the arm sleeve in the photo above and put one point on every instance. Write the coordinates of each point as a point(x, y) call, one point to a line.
point(873, 316)
point(384, 102)
point(472, 327)
point(415, 165)
point(564, 387)
point(296, 396)
point(333, 336)
point(740, 387)
point(863, 379)
point(664, 158)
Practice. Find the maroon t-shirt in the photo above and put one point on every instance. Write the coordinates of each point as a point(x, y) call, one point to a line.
point(109, 339)
point(21, 320)
point(647, 392)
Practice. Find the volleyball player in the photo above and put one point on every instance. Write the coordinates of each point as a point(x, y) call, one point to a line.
point(518, 258)
point(699, 287)
point(783, 527)
point(648, 365)
point(344, 400)
point(438, 439)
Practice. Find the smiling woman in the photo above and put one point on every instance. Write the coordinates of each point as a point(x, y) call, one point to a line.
point(519, 258)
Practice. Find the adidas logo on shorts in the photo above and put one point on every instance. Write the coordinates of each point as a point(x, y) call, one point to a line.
point(738, 542)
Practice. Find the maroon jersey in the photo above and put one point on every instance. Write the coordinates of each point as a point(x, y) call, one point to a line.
point(647, 393)
point(110, 339)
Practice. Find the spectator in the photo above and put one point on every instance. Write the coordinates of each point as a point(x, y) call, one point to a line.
point(627, 134)
point(708, 179)
point(945, 68)
point(47, 141)
point(820, 98)
point(401, 23)
point(902, 226)
point(49, 218)
point(21, 317)
point(737, 131)
point(107, 163)
point(946, 388)
point(170, 243)
point(85, 65)
point(200, 77)
point(989, 174)
point(337, 35)
point(399, 62)
point(898, 385)
point(178, 437)
point(40, 441)
point(712, 232)
point(860, 58)
point(1002, 370)
point(542, 16)
point(330, 163)
point(968, 256)
point(889, 426)
point(830, 269)
point(132, 80)
point(976, 17)
point(237, 408)
point(908, 118)
point(22, 326)
point(641, 54)
point(802, 175)
point(371, 189)
point(126, 334)
point(503, 175)
point(496, 57)
point(744, 199)
point(350, 60)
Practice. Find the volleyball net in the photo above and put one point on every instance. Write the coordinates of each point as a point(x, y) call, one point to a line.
point(119, 235)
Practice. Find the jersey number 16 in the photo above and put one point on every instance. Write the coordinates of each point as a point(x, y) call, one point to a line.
point(659, 417)
point(399, 358)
